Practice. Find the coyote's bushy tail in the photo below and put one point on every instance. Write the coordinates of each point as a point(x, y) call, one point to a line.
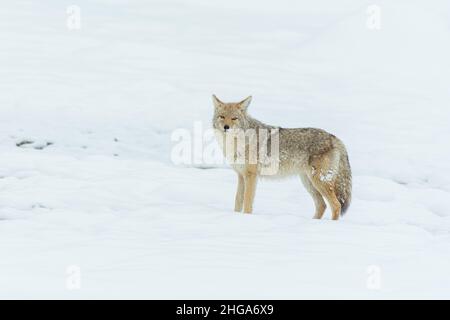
point(344, 180)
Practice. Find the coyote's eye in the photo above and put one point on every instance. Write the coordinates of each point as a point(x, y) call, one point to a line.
point(221, 117)
point(234, 119)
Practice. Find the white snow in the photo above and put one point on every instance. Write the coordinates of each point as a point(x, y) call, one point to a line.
point(327, 176)
point(87, 182)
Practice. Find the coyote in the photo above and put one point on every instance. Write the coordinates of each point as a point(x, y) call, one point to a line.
point(318, 157)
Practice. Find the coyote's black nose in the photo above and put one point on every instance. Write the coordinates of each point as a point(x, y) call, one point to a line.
point(226, 127)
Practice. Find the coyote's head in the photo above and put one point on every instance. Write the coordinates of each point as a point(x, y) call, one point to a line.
point(229, 116)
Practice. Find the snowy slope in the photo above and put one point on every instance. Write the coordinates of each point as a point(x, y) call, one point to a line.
point(87, 180)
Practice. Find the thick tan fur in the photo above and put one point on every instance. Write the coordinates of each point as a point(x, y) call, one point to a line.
point(318, 157)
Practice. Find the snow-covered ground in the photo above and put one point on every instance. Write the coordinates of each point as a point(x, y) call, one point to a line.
point(92, 206)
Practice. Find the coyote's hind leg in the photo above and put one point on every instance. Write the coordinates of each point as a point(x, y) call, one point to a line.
point(317, 197)
point(323, 178)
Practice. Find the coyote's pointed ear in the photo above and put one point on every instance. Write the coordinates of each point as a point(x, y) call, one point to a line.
point(216, 101)
point(245, 103)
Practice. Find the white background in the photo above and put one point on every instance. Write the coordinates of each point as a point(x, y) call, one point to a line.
point(106, 198)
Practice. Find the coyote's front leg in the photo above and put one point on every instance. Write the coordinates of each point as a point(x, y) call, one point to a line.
point(249, 192)
point(239, 202)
